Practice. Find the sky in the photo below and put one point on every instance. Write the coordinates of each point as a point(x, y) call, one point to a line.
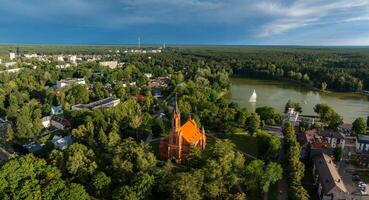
point(219, 22)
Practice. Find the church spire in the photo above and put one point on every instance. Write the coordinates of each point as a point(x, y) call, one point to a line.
point(176, 109)
point(176, 118)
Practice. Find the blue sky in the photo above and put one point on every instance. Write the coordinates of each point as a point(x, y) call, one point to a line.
point(243, 22)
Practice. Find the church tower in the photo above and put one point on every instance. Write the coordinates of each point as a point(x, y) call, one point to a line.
point(175, 135)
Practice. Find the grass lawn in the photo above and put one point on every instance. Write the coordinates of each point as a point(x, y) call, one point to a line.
point(364, 176)
point(244, 143)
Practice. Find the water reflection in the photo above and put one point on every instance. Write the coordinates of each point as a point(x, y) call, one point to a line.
point(276, 94)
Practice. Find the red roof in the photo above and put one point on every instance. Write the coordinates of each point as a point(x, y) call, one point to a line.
point(190, 132)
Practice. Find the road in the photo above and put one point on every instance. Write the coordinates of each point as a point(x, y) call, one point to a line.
point(3, 154)
point(275, 130)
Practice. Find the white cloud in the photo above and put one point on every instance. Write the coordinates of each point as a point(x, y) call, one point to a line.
point(303, 13)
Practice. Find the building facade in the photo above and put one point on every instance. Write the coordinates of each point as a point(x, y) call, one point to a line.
point(362, 143)
point(181, 139)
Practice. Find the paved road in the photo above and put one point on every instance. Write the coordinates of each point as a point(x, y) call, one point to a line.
point(3, 154)
point(276, 130)
point(282, 184)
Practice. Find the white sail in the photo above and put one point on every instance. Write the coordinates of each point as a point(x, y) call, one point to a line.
point(253, 97)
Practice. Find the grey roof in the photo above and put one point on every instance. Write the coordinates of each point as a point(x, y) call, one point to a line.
point(329, 177)
point(363, 139)
point(331, 133)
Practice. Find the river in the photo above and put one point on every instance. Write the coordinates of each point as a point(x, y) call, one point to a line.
point(276, 94)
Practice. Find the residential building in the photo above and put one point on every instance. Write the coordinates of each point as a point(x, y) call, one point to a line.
point(30, 55)
point(346, 129)
point(362, 143)
point(295, 118)
point(181, 139)
point(10, 64)
point(110, 64)
point(333, 137)
point(60, 58)
point(59, 122)
point(130, 84)
point(312, 144)
point(33, 147)
point(62, 142)
point(72, 59)
point(65, 82)
point(11, 56)
point(148, 75)
point(56, 110)
point(55, 121)
point(1, 61)
point(103, 103)
point(46, 121)
point(11, 70)
point(327, 179)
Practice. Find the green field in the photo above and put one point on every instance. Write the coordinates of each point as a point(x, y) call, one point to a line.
point(244, 143)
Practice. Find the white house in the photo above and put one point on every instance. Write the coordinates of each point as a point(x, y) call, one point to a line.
point(10, 64)
point(65, 82)
point(72, 59)
point(110, 64)
point(46, 121)
point(33, 55)
point(148, 75)
point(62, 142)
point(362, 143)
point(60, 58)
point(1, 61)
point(11, 55)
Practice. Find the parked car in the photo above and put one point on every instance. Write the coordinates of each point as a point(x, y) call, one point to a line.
point(356, 177)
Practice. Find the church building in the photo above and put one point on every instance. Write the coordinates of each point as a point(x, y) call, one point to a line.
point(181, 139)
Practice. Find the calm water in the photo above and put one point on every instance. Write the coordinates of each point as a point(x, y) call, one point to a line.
point(276, 94)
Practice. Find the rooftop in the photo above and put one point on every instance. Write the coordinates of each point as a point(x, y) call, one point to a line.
point(190, 131)
point(363, 138)
point(329, 177)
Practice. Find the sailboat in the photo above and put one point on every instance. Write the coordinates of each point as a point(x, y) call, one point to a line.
point(253, 97)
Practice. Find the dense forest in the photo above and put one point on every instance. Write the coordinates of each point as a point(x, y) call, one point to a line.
point(326, 68)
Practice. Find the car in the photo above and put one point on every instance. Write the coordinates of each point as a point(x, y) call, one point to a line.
point(356, 178)
point(361, 183)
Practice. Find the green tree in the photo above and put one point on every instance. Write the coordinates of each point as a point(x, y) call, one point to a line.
point(9, 134)
point(187, 186)
point(80, 161)
point(268, 146)
point(328, 115)
point(100, 184)
point(260, 176)
point(253, 123)
point(296, 106)
point(359, 126)
point(338, 153)
point(27, 177)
